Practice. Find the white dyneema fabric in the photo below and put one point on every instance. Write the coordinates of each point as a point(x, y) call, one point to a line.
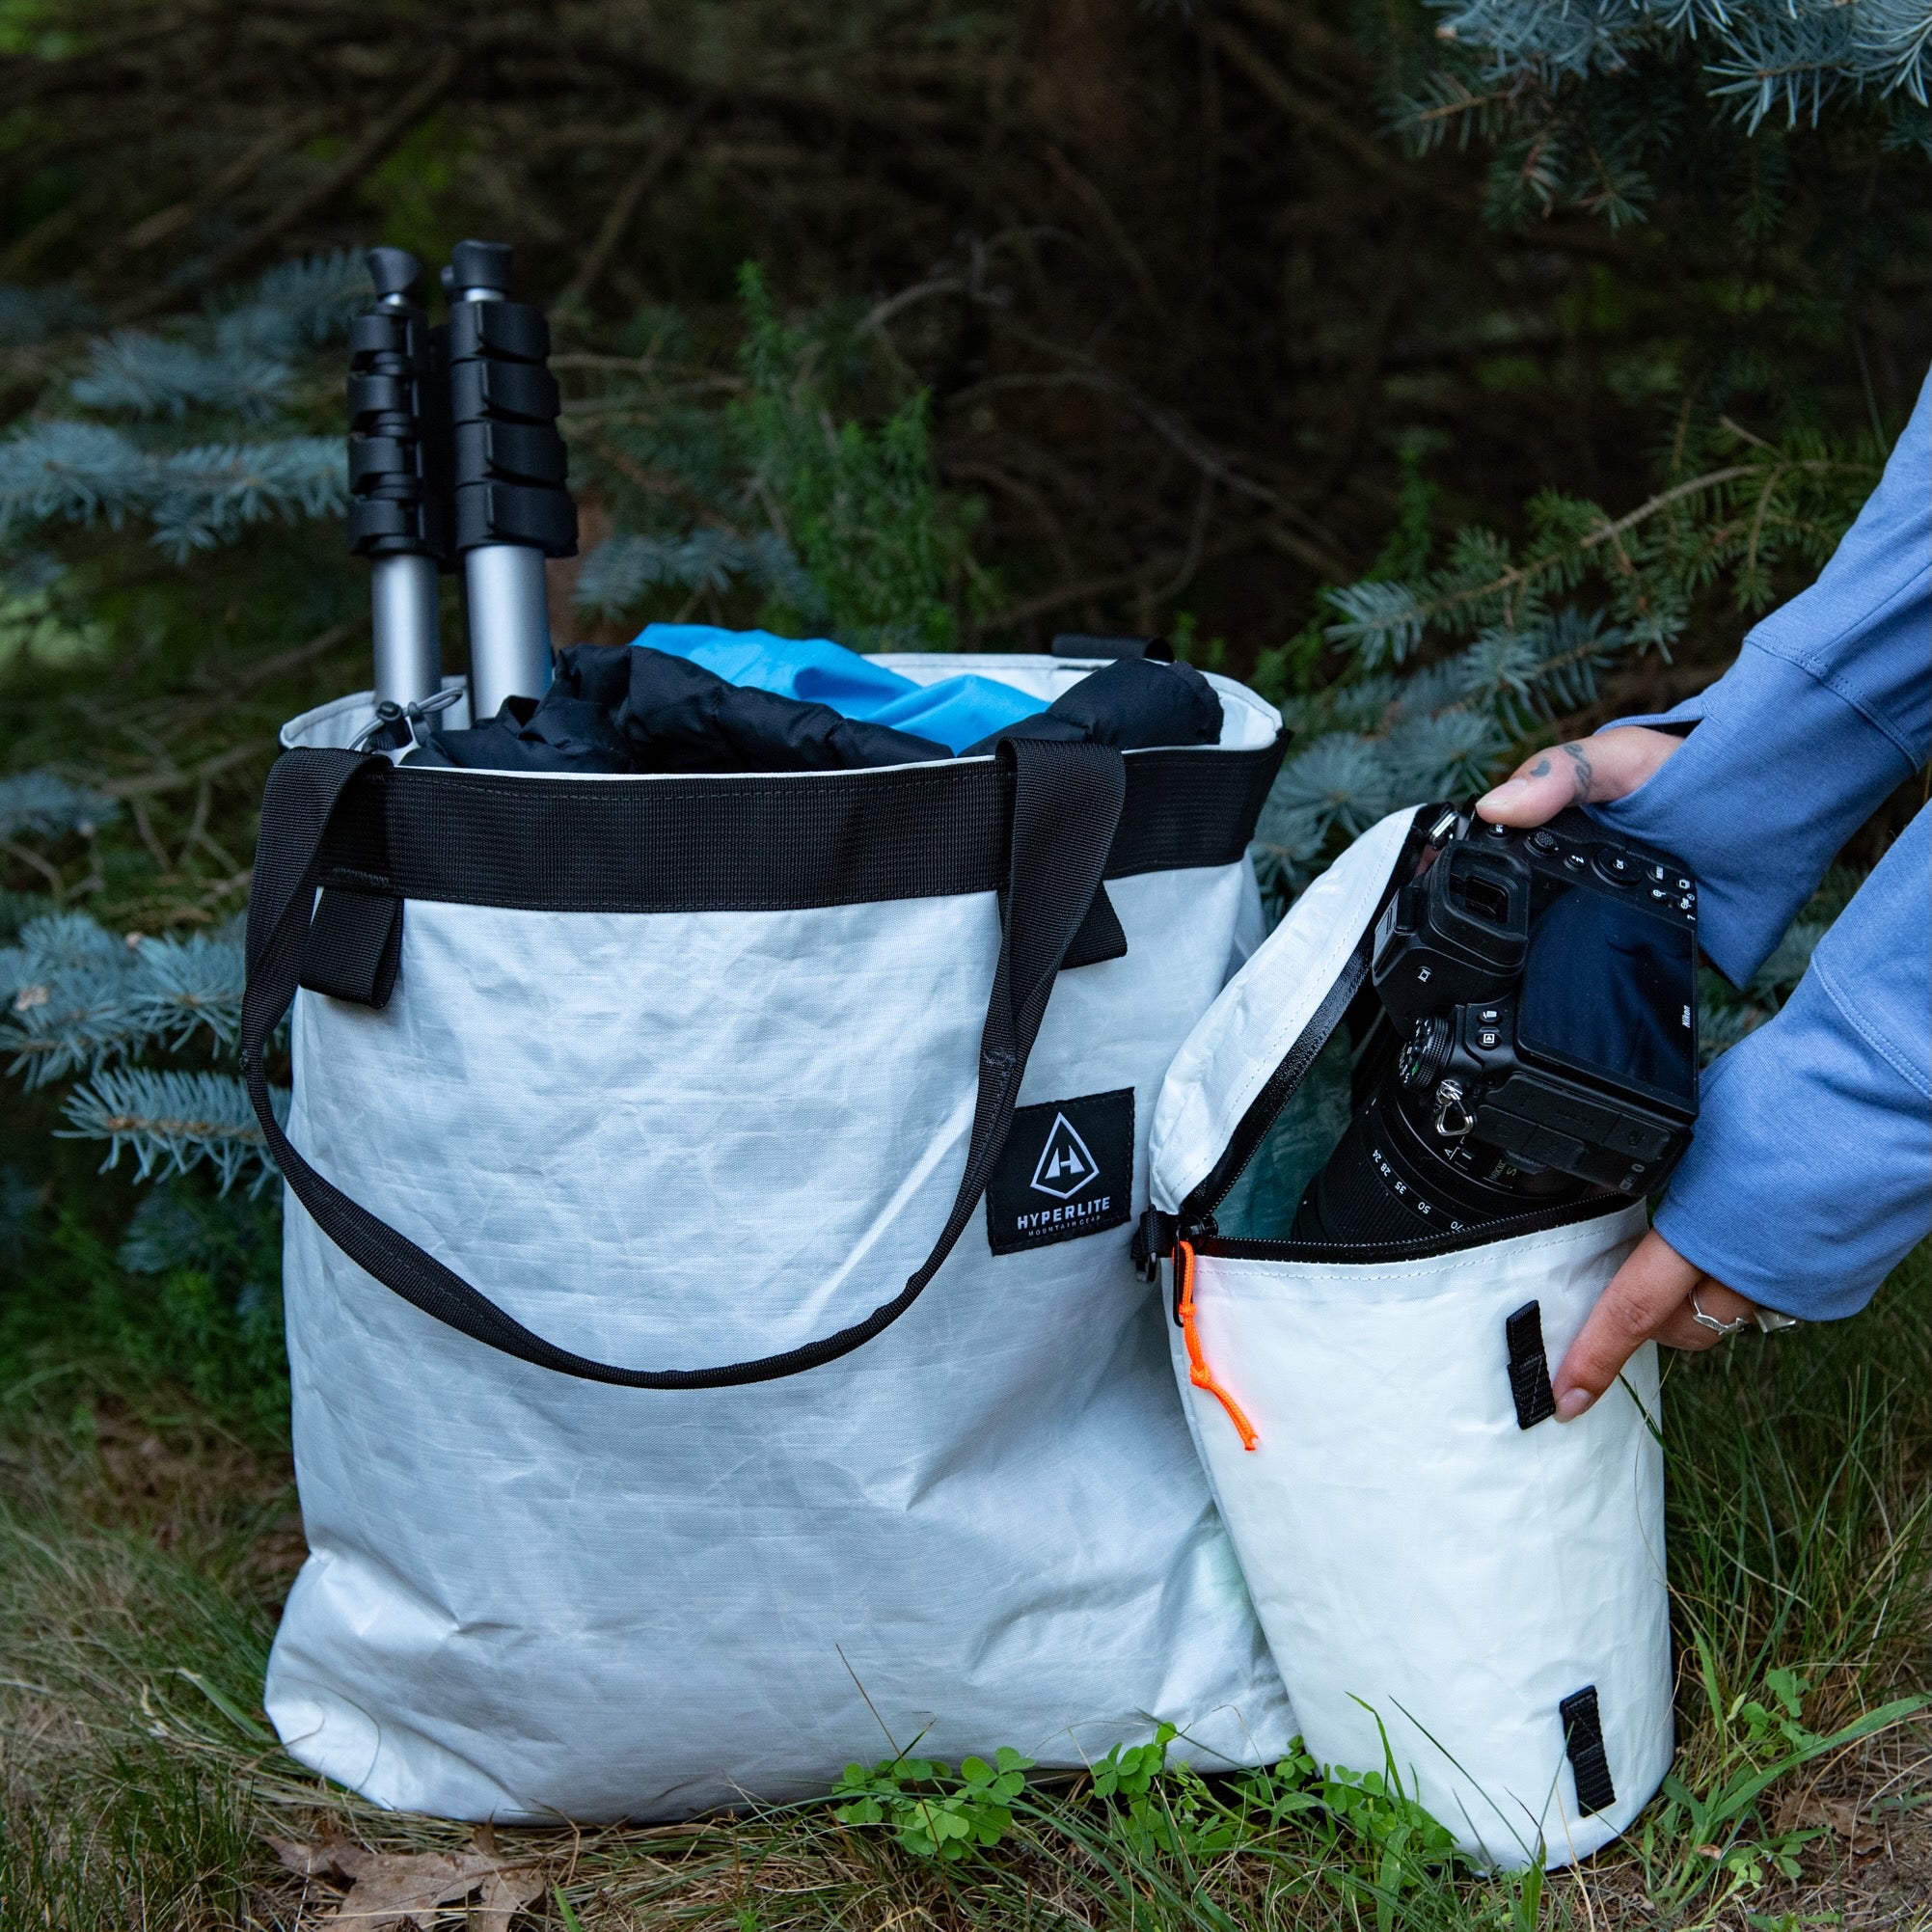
point(1435, 1580)
point(1425, 1571)
point(676, 1140)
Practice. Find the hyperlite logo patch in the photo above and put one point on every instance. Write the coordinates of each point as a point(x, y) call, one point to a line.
point(1065, 1164)
point(1067, 1170)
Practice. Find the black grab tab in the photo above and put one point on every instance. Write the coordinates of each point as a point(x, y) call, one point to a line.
point(1529, 1365)
point(1100, 938)
point(1583, 1740)
point(354, 945)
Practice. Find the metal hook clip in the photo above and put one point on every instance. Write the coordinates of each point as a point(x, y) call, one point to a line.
point(1448, 1103)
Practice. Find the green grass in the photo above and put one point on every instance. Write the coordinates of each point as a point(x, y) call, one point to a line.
point(147, 1533)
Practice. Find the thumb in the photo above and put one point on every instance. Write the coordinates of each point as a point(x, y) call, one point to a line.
point(1585, 771)
point(1642, 1296)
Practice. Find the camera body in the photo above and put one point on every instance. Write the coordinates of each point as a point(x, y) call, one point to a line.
point(1546, 984)
point(1452, 952)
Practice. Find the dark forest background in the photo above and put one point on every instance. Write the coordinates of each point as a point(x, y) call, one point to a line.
point(1460, 372)
point(1463, 373)
point(1179, 297)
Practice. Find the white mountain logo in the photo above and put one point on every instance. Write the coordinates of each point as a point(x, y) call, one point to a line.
point(1065, 1166)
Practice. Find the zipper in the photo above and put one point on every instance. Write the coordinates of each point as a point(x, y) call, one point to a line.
point(1195, 1222)
point(1424, 1246)
point(1197, 1212)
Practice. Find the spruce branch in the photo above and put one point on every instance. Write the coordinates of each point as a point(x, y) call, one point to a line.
point(43, 804)
point(196, 498)
point(62, 992)
point(623, 570)
point(207, 496)
point(1385, 622)
point(298, 304)
point(1894, 40)
point(148, 376)
point(180, 987)
point(74, 995)
point(1573, 97)
point(1441, 729)
point(171, 1123)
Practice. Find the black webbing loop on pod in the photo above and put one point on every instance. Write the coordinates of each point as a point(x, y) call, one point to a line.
point(1529, 1365)
point(1067, 801)
point(1583, 1741)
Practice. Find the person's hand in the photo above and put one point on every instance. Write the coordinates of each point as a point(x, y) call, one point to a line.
point(1650, 1297)
point(1589, 771)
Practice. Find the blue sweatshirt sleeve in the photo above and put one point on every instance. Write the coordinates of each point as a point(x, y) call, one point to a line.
point(1828, 708)
point(1810, 1175)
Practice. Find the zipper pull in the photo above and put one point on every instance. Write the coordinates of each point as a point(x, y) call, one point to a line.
point(1172, 1235)
point(1153, 1238)
point(1198, 1372)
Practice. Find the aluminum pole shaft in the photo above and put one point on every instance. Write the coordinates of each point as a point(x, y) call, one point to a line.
point(403, 611)
point(509, 625)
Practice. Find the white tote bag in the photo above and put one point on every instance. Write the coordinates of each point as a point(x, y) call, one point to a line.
point(1456, 1588)
point(753, 1159)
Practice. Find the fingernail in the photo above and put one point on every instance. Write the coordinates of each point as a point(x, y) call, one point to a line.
point(1573, 1402)
point(1509, 788)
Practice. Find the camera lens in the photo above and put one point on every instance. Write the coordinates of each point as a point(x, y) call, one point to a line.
point(1392, 1179)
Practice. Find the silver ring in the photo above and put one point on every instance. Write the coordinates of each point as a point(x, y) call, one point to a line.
point(1710, 1322)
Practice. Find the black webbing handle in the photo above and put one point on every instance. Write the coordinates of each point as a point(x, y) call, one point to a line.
point(1067, 802)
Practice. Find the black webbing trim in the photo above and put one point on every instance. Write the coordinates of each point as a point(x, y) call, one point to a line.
point(761, 843)
point(1583, 1741)
point(354, 946)
point(1529, 1365)
point(1101, 936)
point(1067, 803)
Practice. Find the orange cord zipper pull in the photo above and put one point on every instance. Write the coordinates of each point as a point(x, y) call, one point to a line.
point(1198, 1371)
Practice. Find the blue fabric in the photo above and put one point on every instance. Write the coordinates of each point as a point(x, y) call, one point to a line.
point(956, 712)
point(1810, 1173)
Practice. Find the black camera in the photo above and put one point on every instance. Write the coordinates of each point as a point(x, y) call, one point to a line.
point(1542, 987)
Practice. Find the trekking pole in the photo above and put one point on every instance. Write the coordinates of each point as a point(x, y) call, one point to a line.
point(512, 509)
point(396, 517)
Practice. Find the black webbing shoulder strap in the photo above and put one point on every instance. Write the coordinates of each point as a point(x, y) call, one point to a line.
point(1067, 802)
